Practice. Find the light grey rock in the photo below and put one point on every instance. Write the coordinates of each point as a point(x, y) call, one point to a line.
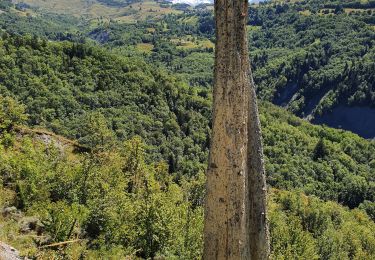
point(28, 224)
point(9, 211)
point(8, 253)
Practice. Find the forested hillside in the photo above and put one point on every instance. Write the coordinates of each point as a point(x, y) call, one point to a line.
point(306, 57)
point(65, 84)
point(70, 88)
point(108, 201)
point(313, 57)
point(318, 62)
point(105, 128)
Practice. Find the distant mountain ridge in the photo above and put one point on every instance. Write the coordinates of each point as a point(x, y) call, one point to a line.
point(198, 2)
point(193, 2)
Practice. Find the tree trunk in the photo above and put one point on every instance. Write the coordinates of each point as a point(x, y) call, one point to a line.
point(235, 212)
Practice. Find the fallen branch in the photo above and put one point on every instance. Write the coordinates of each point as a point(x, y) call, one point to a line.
point(61, 243)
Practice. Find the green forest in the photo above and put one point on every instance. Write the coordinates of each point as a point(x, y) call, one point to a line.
point(115, 203)
point(105, 130)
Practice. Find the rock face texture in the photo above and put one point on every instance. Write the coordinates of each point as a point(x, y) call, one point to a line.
point(8, 253)
point(235, 211)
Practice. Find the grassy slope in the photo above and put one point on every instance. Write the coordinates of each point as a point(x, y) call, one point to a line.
point(95, 9)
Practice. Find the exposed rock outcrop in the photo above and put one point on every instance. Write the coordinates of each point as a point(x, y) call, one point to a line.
point(8, 253)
